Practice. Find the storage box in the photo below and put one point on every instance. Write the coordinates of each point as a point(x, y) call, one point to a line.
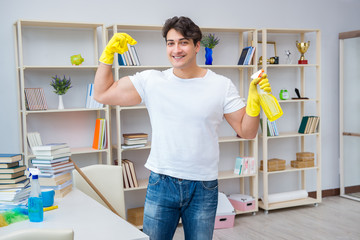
point(302, 164)
point(225, 213)
point(242, 202)
point(274, 164)
point(135, 216)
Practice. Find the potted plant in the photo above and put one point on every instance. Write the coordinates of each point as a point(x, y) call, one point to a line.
point(61, 86)
point(209, 42)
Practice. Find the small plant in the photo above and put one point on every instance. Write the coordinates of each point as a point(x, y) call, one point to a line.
point(61, 86)
point(209, 41)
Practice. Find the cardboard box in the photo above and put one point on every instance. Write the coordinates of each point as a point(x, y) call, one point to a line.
point(225, 213)
point(242, 202)
point(135, 216)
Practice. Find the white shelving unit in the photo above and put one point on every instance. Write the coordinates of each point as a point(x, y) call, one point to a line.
point(303, 76)
point(151, 52)
point(42, 49)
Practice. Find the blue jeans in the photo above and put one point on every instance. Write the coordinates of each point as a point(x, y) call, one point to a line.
point(168, 199)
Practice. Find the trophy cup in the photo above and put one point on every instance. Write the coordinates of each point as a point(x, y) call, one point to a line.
point(302, 47)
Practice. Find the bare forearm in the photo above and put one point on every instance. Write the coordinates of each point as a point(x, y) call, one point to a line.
point(249, 126)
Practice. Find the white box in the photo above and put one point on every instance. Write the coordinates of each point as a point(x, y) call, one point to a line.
point(242, 202)
point(225, 213)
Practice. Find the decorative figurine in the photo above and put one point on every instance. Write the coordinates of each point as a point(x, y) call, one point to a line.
point(288, 58)
point(76, 60)
point(284, 95)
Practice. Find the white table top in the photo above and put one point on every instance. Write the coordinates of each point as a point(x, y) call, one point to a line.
point(88, 218)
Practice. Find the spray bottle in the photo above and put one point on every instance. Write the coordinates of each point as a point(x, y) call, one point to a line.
point(35, 201)
point(268, 102)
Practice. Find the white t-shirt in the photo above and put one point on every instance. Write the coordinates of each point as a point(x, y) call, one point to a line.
point(185, 115)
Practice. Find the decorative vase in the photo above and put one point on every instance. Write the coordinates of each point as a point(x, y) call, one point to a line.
point(61, 104)
point(208, 56)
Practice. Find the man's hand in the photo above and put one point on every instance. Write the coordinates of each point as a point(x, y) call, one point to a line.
point(253, 101)
point(117, 44)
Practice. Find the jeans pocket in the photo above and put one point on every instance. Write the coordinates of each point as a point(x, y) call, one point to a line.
point(154, 178)
point(210, 185)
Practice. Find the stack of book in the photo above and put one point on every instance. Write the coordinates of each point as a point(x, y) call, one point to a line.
point(53, 161)
point(246, 55)
point(14, 185)
point(272, 129)
point(129, 174)
point(134, 140)
point(100, 137)
point(35, 99)
point(129, 58)
point(245, 165)
point(309, 124)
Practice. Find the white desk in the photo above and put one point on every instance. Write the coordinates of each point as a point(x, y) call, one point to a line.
point(88, 218)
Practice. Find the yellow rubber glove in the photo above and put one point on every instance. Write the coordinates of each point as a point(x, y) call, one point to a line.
point(253, 101)
point(117, 44)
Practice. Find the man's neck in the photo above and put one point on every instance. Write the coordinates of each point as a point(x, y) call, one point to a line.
point(187, 73)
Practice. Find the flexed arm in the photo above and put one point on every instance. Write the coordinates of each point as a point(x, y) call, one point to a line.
point(121, 92)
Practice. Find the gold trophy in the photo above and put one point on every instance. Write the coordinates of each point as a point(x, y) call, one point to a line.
point(302, 47)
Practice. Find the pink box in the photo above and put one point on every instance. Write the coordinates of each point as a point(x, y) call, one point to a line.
point(225, 214)
point(242, 202)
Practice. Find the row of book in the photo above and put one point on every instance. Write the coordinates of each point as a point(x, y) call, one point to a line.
point(14, 184)
point(129, 58)
point(309, 124)
point(245, 165)
point(90, 101)
point(246, 55)
point(53, 161)
point(129, 174)
point(134, 140)
point(35, 99)
point(272, 129)
point(100, 134)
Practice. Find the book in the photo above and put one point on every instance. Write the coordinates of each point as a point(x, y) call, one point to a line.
point(60, 165)
point(13, 169)
point(57, 179)
point(11, 175)
point(50, 153)
point(50, 146)
point(123, 146)
point(34, 139)
point(132, 141)
point(52, 157)
point(243, 55)
point(9, 165)
point(238, 165)
point(249, 55)
point(128, 174)
point(35, 99)
point(9, 157)
point(132, 172)
point(15, 185)
point(54, 171)
point(13, 180)
point(125, 178)
point(135, 135)
point(49, 161)
point(303, 124)
point(14, 194)
point(60, 193)
point(90, 101)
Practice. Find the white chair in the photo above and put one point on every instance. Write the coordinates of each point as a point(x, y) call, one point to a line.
point(40, 234)
point(108, 180)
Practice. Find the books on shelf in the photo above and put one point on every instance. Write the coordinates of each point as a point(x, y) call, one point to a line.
point(90, 101)
point(309, 124)
point(35, 99)
point(34, 139)
point(272, 129)
point(134, 140)
point(10, 157)
point(246, 55)
point(129, 58)
point(129, 174)
point(245, 165)
point(100, 135)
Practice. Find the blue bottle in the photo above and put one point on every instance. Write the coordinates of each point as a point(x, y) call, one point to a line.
point(35, 202)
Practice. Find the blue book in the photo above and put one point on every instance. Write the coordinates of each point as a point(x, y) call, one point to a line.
point(10, 157)
point(243, 55)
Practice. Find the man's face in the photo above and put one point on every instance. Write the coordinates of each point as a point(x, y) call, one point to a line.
point(181, 51)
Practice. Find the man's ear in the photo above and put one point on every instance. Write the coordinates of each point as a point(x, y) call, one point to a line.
point(197, 47)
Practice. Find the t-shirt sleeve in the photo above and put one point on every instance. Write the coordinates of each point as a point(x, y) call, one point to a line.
point(139, 81)
point(233, 102)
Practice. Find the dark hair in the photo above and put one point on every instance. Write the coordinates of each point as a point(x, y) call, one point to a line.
point(183, 25)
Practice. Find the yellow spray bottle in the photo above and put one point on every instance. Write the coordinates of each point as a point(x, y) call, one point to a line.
point(268, 102)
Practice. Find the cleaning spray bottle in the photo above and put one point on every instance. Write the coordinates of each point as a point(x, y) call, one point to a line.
point(268, 102)
point(35, 201)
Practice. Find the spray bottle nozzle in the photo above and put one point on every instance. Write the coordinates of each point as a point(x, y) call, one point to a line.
point(33, 172)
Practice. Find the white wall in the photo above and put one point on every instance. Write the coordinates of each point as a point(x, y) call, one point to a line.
point(331, 17)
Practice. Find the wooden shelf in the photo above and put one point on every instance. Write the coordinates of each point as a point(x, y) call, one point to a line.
point(293, 203)
point(66, 110)
point(289, 169)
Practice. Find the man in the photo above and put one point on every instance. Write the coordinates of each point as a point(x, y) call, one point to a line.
point(186, 105)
